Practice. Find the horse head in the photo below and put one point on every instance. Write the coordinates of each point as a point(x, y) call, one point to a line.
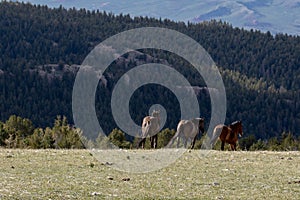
point(237, 127)
point(155, 113)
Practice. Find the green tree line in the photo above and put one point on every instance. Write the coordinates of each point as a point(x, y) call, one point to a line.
point(18, 132)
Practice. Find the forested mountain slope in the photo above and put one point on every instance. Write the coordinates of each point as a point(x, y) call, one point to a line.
point(41, 49)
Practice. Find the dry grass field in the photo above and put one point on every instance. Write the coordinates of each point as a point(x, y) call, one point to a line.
point(76, 174)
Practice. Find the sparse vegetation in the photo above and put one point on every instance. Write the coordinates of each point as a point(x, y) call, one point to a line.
point(75, 174)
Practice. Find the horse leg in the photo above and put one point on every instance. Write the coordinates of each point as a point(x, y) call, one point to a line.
point(193, 143)
point(151, 141)
point(185, 142)
point(178, 140)
point(139, 143)
point(222, 146)
point(142, 143)
point(234, 146)
point(155, 141)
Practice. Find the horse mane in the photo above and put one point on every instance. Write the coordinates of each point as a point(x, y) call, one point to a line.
point(235, 123)
point(200, 119)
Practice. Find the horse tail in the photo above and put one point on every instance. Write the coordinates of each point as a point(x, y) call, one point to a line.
point(169, 145)
point(216, 133)
point(145, 130)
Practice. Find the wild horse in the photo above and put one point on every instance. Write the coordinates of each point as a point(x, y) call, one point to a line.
point(228, 134)
point(150, 127)
point(188, 130)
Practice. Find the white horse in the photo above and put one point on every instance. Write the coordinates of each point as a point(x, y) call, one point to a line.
point(188, 130)
point(150, 127)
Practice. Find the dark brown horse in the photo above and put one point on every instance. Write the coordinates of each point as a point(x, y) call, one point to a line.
point(229, 134)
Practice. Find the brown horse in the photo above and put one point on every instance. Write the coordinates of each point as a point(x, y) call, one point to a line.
point(229, 134)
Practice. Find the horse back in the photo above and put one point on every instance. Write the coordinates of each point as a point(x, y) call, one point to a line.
point(186, 128)
point(150, 125)
point(222, 131)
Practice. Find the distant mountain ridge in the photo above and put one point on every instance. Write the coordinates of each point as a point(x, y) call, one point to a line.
point(276, 16)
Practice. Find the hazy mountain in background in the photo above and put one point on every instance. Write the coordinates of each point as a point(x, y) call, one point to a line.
point(276, 16)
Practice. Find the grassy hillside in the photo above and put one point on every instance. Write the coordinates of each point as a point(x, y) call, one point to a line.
point(75, 174)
